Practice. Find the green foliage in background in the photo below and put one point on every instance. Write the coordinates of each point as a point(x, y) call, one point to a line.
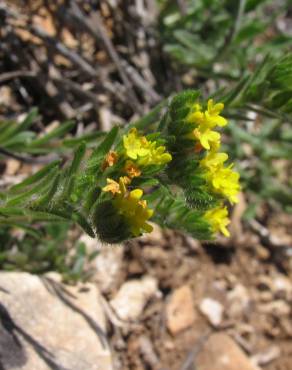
point(240, 47)
point(48, 248)
point(220, 38)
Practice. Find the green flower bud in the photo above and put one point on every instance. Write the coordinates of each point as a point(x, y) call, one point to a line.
point(110, 226)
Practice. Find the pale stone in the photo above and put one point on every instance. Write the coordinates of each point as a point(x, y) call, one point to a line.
point(132, 297)
point(238, 301)
point(212, 310)
point(47, 325)
point(180, 313)
point(282, 287)
point(109, 267)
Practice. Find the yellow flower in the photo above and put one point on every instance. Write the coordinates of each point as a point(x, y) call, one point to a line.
point(205, 121)
point(213, 160)
point(206, 137)
point(145, 152)
point(223, 180)
point(135, 145)
point(130, 205)
point(218, 220)
point(196, 115)
point(156, 156)
point(226, 182)
point(135, 211)
point(212, 114)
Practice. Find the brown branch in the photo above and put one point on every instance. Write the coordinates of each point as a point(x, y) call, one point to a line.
point(15, 74)
point(97, 29)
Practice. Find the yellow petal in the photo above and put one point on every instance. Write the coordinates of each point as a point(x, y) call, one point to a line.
point(136, 194)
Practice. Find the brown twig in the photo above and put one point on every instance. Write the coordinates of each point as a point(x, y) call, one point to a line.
point(97, 29)
point(4, 77)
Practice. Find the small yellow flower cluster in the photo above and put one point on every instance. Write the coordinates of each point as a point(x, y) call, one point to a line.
point(205, 122)
point(137, 153)
point(130, 205)
point(222, 180)
point(218, 219)
point(143, 151)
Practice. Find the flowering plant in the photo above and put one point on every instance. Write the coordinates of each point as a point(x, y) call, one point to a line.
point(167, 169)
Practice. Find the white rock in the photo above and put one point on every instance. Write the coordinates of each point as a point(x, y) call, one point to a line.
point(282, 287)
point(132, 297)
point(212, 310)
point(46, 325)
point(109, 265)
point(92, 244)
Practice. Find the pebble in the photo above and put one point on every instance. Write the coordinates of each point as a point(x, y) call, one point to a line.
point(180, 312)
point(132, 297)
point(238, 301)
point(212, 310)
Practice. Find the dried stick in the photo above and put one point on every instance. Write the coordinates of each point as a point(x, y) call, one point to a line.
point(99, 33)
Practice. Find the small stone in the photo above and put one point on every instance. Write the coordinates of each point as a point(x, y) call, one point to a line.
point(238, 301)
point(282, 288)
point(212, 310)
point(12, 166)
point(220, 352)
point(132, 297)
point(180, 312)
point(277, 308)
point(262, 252)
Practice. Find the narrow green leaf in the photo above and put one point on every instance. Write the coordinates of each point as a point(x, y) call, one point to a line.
point(29, 119)
point(57, 132)
point(35, 177)
point(105, 145)
point(78, 156)
point(40, 187)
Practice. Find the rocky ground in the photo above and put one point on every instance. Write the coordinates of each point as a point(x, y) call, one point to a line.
point(164, 301)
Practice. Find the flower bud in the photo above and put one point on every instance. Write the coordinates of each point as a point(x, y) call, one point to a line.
point(110, 226)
